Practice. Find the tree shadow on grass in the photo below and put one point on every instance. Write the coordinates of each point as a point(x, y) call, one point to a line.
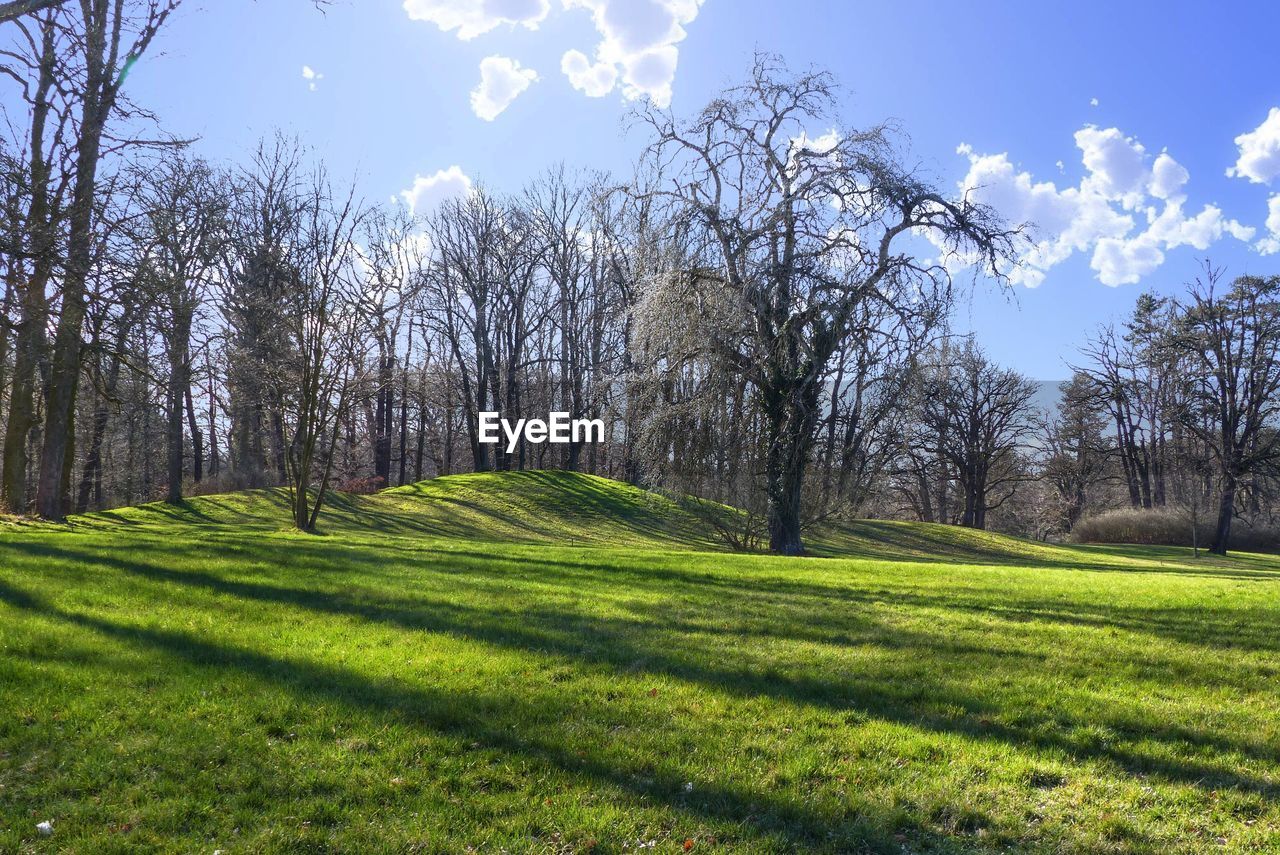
point(1197, 625)
point(663, 647)
point(773, 821)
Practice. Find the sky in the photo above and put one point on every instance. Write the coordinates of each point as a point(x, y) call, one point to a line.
point(1140, 138)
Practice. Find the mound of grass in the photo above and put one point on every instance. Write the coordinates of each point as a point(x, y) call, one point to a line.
point(520, 507)
point(199, 683)
point(563, 508)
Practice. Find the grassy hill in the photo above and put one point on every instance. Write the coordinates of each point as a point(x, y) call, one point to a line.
point(556, 663)
point(521, 507)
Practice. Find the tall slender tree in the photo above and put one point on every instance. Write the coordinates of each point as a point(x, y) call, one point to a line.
point(111, 36)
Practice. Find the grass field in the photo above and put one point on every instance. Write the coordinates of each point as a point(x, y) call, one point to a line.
point(433, 674)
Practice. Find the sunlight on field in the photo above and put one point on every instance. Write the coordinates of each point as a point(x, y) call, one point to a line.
point(182, 685)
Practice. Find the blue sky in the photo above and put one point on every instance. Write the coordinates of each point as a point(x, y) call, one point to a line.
point(1020, 84)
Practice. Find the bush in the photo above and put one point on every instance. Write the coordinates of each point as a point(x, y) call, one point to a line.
point(361, 486)
point(1170, 527)
point(227, 481)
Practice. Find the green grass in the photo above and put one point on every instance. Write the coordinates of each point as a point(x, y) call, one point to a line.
point(430, 675)
point(524, 507)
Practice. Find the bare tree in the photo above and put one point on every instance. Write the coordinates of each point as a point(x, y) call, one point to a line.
point(15, 9)
point(804, 231)
point(478, 287)
point(1233, 338)
point(979, 417)
point(1134, 374)
point(12, 10)
point(323, 323)
point(39, 177)
point(394, 261)
point(185, 212)
point(111, 35)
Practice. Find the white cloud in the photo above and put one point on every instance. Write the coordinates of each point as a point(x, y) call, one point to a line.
point(1270, 244)
point(501, 82)
point(1126, 212)
point(429, 191)
point(1168, 177)
point(1116, 163)
point(473, 18)
point(1093, 102)
point(312, 77)
point(638, 42)
point(594, 80)
point(636, 51)
point(1259, 159)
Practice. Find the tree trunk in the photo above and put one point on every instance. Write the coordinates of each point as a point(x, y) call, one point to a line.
point(1226, 510)
point(21, 411)
point(213, 428)
point(51, 499)
point(30, 339)
point(404, 417)
point(782, 485)
point(788, 437)
point(197, 440)
point(383, 420)
point(91, 477)
point(278, 444)
point(179, 388)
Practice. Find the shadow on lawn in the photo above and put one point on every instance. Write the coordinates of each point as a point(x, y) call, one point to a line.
point(790, 611)
point(755, 815)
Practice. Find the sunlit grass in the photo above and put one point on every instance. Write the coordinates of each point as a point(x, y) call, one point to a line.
point(177, 685)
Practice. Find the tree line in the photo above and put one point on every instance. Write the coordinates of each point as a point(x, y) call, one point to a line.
point(759, 315)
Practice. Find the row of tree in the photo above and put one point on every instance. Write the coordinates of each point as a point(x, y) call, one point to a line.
point(760, 316)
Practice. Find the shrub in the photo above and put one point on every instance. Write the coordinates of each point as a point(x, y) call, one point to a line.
point(1171, 527)
point(227, 481)
point(361, 486)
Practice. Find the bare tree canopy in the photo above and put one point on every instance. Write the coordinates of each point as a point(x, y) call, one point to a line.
point(801, 233)
point(17, 8)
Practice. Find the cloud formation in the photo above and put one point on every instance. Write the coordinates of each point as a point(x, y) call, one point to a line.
point(1127, 211)
point(636, 52)
point(312, 77)
point(473, 18)
point(1270, 244)
point(428, 192)
point(501, 82)
point(1259, 162)
point(1259, 159)
point(595, 80)
point(637, 46)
